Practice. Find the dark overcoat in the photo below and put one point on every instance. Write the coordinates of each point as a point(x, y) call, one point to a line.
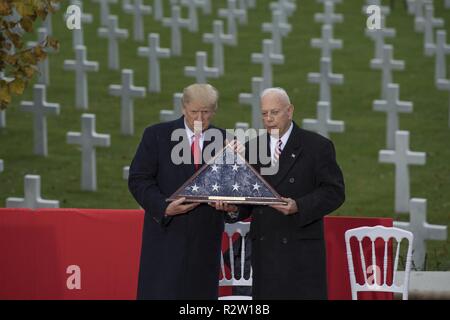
point(180, 255)
point(288, 252)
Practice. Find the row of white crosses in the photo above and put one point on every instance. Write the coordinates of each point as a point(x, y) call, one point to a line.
point(88, 139)
point(233, 14)
point(201, 71)
point(3, 112)
point(153, 52)
point(425, 22)
point(40, 108)
point(383, 60)
point(398, 152)
point(390, 104)
point(272, 53)
point(324, 124)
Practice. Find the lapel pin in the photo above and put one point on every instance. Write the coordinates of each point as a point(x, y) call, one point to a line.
point(293, 155)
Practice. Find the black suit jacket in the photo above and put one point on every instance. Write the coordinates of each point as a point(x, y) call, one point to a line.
point(288, 252)
point(180, 255)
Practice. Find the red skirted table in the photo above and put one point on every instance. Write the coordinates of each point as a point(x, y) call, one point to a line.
point(94, 254)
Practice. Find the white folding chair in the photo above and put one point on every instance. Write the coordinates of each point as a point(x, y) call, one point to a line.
point(379, 285)
point(242, 228)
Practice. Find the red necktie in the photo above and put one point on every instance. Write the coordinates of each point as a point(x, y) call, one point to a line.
point(195, 149)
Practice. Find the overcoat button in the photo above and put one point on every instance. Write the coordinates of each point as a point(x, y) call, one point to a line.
point(284, 240)
point(291, 180)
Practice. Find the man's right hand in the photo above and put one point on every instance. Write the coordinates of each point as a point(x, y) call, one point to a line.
point(177, 207)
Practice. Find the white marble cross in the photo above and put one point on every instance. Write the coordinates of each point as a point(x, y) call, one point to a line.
point(441, 50)
point(328, 16)
point(392, 106)
point(325, 78)
point(40, 109)
point(169, 115)
point(254, 100)
point(251, 3)
point(378, 36)
point(286, 7)
point(158, 10)
point(113, 34)
point(2, 119)
point(242, 4)
point(43, 66)
point(138, 10)
point(205, 5)
point(266, 59)
point(78, 34)
point(323, 124)
point(128, 92)
point(3, 112)
point(218, 40)
point(125, 172)
point(419, 6)
point(444, 84)
point(88, 139)
point(410, 6)
point(429, 24)
point(422, 230)
point(176, 23)
point(201, 72)
point(326, 43)
point(2, 168)
point(386, 64)
point(104, 10)
point(80, 65)
point(402, 157)
point(47, 24)
point(278, 30)
point(153, 52)
point(32, 198)
point(192, 13)
point(231, 14)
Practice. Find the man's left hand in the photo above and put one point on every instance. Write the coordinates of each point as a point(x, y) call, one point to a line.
point(286, 209)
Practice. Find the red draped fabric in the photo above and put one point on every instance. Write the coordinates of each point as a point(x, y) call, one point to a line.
point(44, 252)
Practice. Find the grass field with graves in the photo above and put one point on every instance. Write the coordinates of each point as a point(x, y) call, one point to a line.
point(369, 184)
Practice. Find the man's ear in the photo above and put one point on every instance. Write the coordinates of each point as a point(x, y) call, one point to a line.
point(291, 110)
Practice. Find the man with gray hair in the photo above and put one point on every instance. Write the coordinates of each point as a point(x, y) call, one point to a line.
point(288, 247)
point(181, 242)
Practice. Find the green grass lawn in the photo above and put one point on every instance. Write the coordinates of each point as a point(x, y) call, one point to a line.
point(369, 184)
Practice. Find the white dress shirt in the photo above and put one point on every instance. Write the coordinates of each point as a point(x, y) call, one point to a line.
point(284, 139)
point(190, 134)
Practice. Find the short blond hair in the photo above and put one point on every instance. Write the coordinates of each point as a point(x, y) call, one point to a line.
point(203, 93)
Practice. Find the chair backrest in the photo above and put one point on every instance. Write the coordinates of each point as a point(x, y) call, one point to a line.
point(375, 282)
point(236, 279)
